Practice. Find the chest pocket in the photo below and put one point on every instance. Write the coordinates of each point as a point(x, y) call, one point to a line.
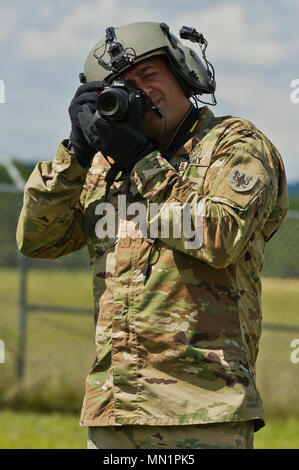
point(96, 185)
point(196, 173)
point(100, 215)
point(196, 168)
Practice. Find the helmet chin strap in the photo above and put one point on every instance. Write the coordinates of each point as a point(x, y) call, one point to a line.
point(162, 133)
point(181, 134)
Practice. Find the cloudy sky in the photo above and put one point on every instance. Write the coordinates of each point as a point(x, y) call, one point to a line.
point(43, 45)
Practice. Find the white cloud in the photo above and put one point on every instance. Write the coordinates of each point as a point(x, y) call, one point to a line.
point(8, 21)
point(76, 33)
point(290, 3)
point(45, 10)
point(234, 37)
point(269, 108)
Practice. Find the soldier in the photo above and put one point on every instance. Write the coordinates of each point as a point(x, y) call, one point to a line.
point(178, 320)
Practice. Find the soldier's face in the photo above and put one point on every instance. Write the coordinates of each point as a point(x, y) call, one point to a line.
point(156, 79)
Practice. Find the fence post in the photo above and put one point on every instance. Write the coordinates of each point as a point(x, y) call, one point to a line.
point(22, 304)
point(18, 187)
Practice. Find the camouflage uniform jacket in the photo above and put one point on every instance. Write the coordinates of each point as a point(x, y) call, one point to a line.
point(181, 347)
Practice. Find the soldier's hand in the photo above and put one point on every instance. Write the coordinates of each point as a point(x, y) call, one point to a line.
point(86, 94)
point(124, 141)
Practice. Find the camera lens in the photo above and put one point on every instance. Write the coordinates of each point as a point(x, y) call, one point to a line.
point(109, 103)
point(112, 104)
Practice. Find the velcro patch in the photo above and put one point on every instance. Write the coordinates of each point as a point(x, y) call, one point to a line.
point(242, 180)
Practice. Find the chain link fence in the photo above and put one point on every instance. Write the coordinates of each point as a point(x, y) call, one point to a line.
point(47, 325)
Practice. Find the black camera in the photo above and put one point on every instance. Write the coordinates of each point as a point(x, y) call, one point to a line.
point(114, 101)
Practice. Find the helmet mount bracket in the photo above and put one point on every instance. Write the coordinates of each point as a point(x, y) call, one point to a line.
point(119, 57)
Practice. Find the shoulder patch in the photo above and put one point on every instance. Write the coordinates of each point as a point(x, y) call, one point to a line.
point(241, 180)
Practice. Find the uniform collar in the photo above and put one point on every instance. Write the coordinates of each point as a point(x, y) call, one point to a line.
point(205, 118)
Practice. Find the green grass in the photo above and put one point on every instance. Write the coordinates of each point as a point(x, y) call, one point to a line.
point(279, 433)
point(280, 300)
point(59, 347)
point(27, 430)
point(294, 203)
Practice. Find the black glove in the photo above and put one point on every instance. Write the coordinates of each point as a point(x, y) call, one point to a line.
point(85, 95)
point(124, 141)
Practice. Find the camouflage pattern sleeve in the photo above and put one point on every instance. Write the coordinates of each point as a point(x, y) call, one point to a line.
point(51, 220)
point(228, 198)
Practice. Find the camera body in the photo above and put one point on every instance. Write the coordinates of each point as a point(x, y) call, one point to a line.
point(113, 102)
